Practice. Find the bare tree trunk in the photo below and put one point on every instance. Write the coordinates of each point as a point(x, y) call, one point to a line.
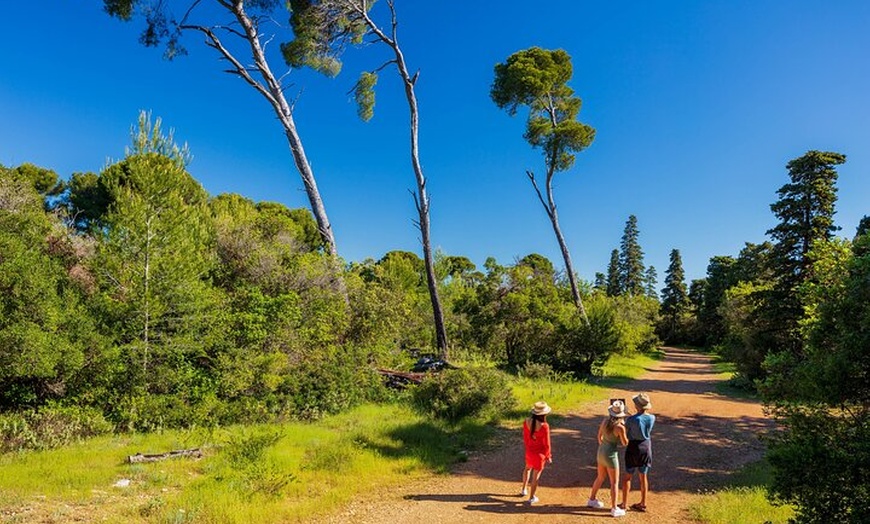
point(569, 266)
point(271, 89)
point(421, 198)
point(275, 95)
point(550, 208)
point(422, 203)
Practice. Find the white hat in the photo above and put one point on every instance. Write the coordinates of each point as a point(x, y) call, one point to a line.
point(540, 408)
point(617, 409)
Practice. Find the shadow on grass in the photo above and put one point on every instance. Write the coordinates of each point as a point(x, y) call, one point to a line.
point(437, 445)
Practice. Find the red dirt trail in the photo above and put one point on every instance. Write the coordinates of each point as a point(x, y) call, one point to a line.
point(700, 437)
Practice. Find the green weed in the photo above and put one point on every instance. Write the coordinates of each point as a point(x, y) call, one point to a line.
point(743, 501)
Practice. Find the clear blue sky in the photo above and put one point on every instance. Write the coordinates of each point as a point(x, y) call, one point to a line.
point(697, 105)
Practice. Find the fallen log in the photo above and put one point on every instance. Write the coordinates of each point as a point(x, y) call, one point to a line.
point(154, 457)
point(401, 379)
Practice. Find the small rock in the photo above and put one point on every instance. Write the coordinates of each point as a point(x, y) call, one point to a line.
point(123, 483)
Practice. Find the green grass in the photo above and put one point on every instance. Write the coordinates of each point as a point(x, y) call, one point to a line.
point(269, 473)
point(743, 501)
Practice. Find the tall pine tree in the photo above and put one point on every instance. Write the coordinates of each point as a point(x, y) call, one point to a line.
point(614, 280)
point(651, 280)
point(805, 210)
point(631, 260)
point(675, 297)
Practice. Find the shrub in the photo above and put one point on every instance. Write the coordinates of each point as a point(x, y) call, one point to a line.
point(329, 382)
point(820, 465)
point(49, 427)
point(455, 394)
point(581, 349)
point(636, 318)
point(248, 468)
point(537, 371)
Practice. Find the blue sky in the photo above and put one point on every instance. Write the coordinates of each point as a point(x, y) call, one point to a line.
point(698, 106)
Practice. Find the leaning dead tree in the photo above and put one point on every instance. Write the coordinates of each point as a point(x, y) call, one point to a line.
point(323, 30)
point(236, 30)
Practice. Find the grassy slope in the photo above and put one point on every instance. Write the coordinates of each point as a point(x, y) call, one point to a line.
point(275, 473)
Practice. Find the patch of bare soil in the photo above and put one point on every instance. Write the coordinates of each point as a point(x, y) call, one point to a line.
point(699, 439)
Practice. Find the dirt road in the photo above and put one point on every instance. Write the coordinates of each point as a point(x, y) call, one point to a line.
point(700, 437)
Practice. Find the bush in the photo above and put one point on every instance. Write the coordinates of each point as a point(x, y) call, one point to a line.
point(537, 371)
point(332, 381)
point(584, 348)
point(636, 318)
point(249, 469)
point(455, 394)
point(49, 427)
point(820, 465)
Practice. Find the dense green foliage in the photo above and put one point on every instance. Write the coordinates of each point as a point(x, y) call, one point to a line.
point(134, 300)
point(455, 394)
point(793, 315)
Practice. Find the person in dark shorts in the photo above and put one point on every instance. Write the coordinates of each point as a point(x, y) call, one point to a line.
point(638, 453)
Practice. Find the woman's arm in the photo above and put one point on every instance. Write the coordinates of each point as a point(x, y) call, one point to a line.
point(548, 450)
point(620, 433)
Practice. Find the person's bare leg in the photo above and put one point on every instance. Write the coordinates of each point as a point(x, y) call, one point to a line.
point(644, 487)
point(613, 473)
point(626, 489)
point(599, 480)
point(526, 471)
point(536, 475)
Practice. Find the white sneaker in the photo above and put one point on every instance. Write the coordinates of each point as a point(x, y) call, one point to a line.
point(617, 512)
point(594, 503)
point(533, 500)
point(524, 492)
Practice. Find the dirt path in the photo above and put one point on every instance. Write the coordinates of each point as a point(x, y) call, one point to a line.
point(699, 438)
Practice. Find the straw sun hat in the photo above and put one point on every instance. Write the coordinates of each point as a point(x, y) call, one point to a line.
point(617, 409)
point(540, 408)
point(641, 400)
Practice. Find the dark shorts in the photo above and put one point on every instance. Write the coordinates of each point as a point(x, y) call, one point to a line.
point(638, 456)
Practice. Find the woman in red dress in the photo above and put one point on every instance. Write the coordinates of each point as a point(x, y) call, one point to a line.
point(536, 437)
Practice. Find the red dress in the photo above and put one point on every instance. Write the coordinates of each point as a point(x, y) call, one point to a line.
point(537, 447)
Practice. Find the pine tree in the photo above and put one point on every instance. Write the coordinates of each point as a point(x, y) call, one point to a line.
point(651, 279)
point(537, 78)
point(631, 260)
point(600, 282)
point(806, 214)
point(614, 281)
point(675, 297)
